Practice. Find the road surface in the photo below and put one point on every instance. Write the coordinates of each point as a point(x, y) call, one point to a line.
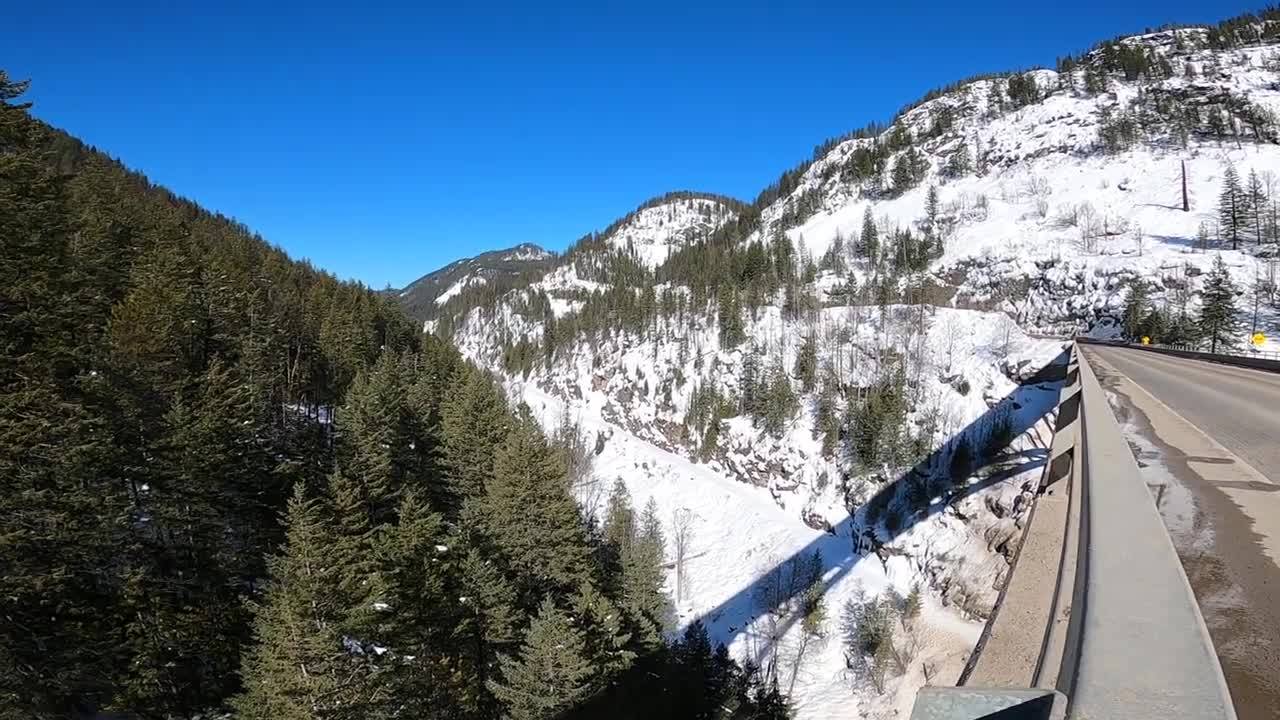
point(1207, 438)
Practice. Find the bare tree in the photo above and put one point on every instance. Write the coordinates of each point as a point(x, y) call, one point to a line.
point(1139, 239)
point(571, 441)
point(951, 332)
point(1089, 224)
point(682, 521)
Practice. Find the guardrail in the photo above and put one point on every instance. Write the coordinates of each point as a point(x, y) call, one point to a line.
point(1122, 635)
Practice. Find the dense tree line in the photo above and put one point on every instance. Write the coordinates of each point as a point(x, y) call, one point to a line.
point(231, 481)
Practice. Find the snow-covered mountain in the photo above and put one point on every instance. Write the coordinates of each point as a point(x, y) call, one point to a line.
point(1008, 212)
point(424, 297)
point(665, 224)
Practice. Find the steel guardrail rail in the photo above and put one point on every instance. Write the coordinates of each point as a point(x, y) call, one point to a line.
point(1144, 649)
point(1134, 644)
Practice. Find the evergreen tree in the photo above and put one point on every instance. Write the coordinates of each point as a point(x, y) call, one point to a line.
point(490, 621)
point(61, 489)
point(806, 368)
point(932, 210)
point(869, 240)
point(423, 669)
point(532, 519)
point(551, 673)
point(730, 318)
point(1218, 322)
point(474, 422)
point(643, 574)
point(1232, 206)
point(1256, 196)
point(779, 401)
point(619, 520)
point(299, 668)
point(958, 162)
point(827, 422)
point(1136, 307)
point(378, 438)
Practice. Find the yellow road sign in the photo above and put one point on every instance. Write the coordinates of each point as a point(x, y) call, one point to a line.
point(1146, 340)
point(1259, 338)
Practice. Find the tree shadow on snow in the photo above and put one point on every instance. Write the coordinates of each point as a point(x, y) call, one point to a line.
point(914, 497)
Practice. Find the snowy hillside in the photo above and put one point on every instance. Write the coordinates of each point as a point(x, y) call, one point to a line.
point(1059, 221)
point(665, 224)
point(738, 364)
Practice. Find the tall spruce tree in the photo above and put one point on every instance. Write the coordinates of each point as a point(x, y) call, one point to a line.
point(1256, 196)
point(1136, 306)
point(869, 240)
point(474, 421)
point(531, 517)
point(61, 489)
point(643, 575)
point(1218, 323)
point(551, 674)
point(299, 668)
point(1232, 207)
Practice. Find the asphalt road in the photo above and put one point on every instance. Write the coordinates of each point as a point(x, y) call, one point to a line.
point(1207, 440)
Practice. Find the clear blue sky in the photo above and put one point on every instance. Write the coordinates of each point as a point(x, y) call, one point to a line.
point(382, 141)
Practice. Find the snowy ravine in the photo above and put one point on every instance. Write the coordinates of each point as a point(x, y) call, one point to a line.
point(749, 509)
point(1040, 238)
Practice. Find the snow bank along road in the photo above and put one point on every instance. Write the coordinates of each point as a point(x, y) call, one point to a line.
point(1207, 437)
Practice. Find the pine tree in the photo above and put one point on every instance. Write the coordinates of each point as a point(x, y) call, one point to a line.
point(551, 673)
point(62, 496)
point(643, 574)
point(609, 649)
point(474, 421)
point(806, 369)
point(1232, 205)
point(827, 422)
point(958, 162)
point(913, 605)
point(1218, 322)
point(619, 520)
point(532, 519)
point(933, 209)
point(1256, 197)
point(730, 318)
point(868, 244)
point(377, 437)
point(422, 666)
point(299, 668)
point(490, 619)
point(1136, 307)
point(779, 401)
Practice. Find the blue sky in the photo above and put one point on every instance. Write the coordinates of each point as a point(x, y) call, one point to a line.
point(383, 140)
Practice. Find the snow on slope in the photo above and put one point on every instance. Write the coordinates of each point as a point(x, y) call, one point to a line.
point(654, 232)
point(458, 287)
point(755, 506)
point(1042, 241)
point(1023, 224)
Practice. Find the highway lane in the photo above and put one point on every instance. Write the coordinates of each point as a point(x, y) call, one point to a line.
point(1207, 437)
point(1238, 407)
